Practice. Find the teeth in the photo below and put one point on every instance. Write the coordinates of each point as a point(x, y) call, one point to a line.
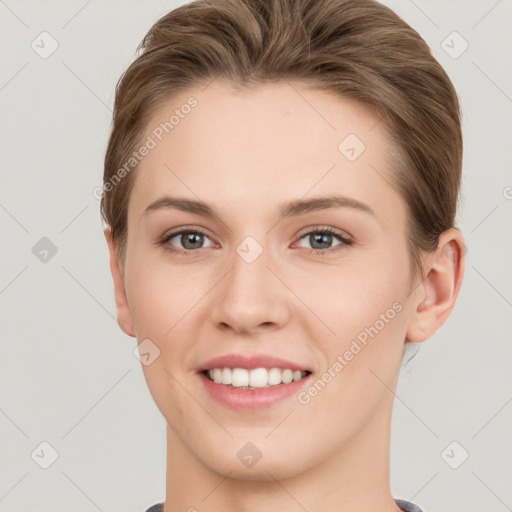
point(274, 376)
point(287, 376)
point(239, 377)
point(226, 376)
point(257, 378)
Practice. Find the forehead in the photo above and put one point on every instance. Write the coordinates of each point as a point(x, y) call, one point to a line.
point(269, 142)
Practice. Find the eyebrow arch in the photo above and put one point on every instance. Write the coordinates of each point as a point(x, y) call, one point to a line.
point(288, 209)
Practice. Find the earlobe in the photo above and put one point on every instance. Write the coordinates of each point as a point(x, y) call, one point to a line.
point(435, 297)
point(124, 317)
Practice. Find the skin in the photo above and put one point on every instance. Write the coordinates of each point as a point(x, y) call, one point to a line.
point(246, 153)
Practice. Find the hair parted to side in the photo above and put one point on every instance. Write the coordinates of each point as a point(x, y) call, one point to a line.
point(356, 49)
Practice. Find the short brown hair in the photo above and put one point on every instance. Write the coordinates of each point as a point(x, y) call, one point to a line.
point(357, 49)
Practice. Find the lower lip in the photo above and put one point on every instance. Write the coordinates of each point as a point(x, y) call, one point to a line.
point(251, 399)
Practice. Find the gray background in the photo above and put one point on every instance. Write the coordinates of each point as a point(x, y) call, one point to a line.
point(68, 374)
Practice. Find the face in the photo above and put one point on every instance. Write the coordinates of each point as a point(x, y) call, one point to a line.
point(300, 263)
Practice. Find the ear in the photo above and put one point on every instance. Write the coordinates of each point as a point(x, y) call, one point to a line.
point(124, 317)
point(434, 298)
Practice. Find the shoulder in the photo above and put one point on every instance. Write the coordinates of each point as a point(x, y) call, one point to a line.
point(406, 506)
point(156, 508)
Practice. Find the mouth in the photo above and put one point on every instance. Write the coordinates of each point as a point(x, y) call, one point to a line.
point(256, 378)
point(252, 382)
point(248, 391)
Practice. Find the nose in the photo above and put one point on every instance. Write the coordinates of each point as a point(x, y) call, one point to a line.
point(251, 297)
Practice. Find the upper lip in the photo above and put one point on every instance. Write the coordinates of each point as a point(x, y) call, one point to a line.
point(250, 362)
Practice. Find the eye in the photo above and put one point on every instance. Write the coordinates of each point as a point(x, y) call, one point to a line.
point(190, 240)
point(321, 240)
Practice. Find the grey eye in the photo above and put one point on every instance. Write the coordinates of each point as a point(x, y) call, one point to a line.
point(189, 240)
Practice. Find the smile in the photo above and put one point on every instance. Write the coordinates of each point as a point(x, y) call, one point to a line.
point(254, 379)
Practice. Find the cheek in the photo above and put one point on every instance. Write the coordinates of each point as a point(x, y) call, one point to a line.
point(364, 307)
point(162, 300)
point(354, 297)
point(361, 360)
point(161, 296)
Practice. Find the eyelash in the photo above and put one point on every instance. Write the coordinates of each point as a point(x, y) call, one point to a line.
point(189, 252)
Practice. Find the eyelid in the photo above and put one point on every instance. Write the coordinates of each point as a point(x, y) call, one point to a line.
point(305, 231)
point(345, 238)
point(323, 228)
point(177, 231)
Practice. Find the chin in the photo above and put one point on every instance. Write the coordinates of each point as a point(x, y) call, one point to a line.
point(236, 462)
point(260, 472)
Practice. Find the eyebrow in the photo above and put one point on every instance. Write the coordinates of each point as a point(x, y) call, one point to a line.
point(289, 209)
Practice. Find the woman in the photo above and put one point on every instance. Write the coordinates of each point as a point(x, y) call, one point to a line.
point(280, 192)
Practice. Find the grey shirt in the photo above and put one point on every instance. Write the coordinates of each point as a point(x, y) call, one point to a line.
point(406, 506)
